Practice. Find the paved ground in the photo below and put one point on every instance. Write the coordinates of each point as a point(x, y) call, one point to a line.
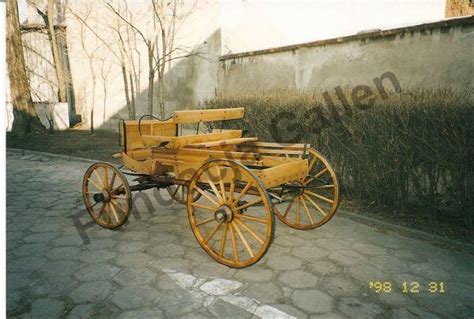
point(153, 267)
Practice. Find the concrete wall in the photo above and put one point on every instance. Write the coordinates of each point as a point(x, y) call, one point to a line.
point(432, 55)
point(260, 24)
point(94, 57)
point(425, 56)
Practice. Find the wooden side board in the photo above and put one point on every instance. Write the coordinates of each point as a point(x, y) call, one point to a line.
point(283, 173)
point(196, 116)
point(184, 164)
point(223, 142)
point(133, 138)
point(176, 142)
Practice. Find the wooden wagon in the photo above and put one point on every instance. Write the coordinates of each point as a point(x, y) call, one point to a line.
point(232, 185)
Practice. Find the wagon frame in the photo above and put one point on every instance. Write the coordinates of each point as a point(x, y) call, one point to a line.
point(232, 185)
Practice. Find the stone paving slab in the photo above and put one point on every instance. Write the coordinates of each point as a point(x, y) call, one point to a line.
point(60, 265)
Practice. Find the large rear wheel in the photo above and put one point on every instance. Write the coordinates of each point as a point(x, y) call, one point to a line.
point(233, 220)
point(313, 201)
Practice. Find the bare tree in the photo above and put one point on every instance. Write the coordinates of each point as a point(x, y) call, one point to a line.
point(48, 18)
point(122, 57)
point(26, 119)
point(167, 17)
point(91, 54)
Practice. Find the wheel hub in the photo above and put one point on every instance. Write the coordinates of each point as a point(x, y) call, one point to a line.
point(298, 188)
point(224, 214)
point(102, 196)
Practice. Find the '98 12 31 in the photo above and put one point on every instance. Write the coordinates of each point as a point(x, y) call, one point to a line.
point(408, 287)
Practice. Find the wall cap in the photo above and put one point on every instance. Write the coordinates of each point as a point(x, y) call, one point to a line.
point(469, 20)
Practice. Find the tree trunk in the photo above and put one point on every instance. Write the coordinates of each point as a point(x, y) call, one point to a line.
point(161, 88)
point(58, 63)
point(161, 73)
point(132, 91)
point(125, 88)
point(26, 120)
point(151, 78)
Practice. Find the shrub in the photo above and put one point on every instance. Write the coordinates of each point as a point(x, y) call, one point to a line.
point(411, 148)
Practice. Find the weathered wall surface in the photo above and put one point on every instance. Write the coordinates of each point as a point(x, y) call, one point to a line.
point(94, 56)
point(426, 56)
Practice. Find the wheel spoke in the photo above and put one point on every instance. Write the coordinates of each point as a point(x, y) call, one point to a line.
point(116, 189)
point(223, 240)
point(106, 178)
point(112, 180)
point(330, 201)
point(221, 183)
point(315, 205)
point(99, 178)
point(118, 206)
point(95, 203)
point(258, 200)
point(324, 186)
point(214, 188)
point(120, 197)
point(313, 161)
point(209, 208)
point(114, 212)
point(205, 221)
point(244, 241)
point(231, 192)
point(94, 183)
point(307, 210)
point(99, 214)
point(206, 195)
point(250, 230)
point(107, 214)
point(246, 188)
point(175, 191)
point(298, 206)
point(234, 244)
point(289, 207)
point(183, 196)
point(252, 218)
point(211, 234)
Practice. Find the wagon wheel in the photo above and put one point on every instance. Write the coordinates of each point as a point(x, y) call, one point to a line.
point(233, 220)
point(107, 195)
point(312, 201)
point(180, 193)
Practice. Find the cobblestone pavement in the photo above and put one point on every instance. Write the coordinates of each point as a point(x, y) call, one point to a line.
point(153, 267)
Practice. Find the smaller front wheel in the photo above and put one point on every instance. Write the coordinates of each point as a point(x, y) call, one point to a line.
point(107, 195)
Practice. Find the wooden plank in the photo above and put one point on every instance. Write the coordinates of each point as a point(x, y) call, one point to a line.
point(197, 153)
point(284, 173)
point(148, 166)
point(243, 148)
point(195, 116)
point(279, 145)
point(175, 142)
point(232, 141)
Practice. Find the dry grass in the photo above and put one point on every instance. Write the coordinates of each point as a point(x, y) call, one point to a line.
point(413, 149)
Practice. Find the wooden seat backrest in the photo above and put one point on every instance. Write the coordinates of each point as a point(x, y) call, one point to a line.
point(196, 116)
point(132, 138)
